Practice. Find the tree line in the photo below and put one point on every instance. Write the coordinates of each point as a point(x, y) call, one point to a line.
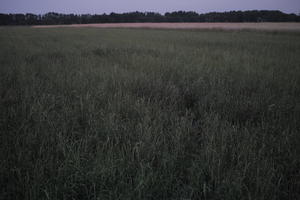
point(178, 16)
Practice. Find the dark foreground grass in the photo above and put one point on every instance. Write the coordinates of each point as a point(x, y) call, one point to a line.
point(149, 114)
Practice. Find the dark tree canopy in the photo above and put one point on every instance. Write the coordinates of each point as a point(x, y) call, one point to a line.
point(178, 16)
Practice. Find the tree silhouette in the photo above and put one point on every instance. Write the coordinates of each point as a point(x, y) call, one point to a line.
point(178, 16)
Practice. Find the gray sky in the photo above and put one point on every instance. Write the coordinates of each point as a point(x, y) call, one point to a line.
point(162, 6)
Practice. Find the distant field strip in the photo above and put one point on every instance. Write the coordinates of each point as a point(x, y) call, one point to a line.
point(226, 26)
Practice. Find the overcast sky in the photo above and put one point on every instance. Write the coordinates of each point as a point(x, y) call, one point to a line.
point(162, 6)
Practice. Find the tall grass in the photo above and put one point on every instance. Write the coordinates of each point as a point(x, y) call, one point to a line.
point(149, 114)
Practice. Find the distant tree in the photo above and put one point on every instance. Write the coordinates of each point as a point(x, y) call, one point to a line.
point(178, 16)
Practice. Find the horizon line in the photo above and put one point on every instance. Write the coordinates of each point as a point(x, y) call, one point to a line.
point(163, 13)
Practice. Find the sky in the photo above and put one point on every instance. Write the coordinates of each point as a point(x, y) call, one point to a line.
point(162, 6)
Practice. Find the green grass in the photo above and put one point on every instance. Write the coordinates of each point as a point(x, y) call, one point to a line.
point(149, 114)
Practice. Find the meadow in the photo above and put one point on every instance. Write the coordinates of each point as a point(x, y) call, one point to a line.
point(265, 26)
point(88, 113)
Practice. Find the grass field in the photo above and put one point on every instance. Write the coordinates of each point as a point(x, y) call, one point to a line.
point(223, 26)
point(92, 113)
